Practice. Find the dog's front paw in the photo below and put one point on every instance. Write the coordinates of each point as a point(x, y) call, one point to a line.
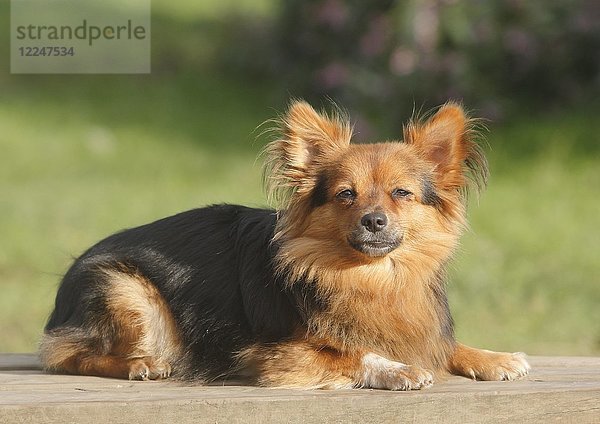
point(148, 369)
point(500, 366)
point(381, 373)
point(480, 364)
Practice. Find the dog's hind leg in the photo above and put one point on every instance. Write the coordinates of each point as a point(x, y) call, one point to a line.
point(131, 335)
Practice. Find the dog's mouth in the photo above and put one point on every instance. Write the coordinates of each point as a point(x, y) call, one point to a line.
point(375, 248)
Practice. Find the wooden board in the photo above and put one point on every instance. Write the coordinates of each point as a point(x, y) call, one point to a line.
point(559, 389)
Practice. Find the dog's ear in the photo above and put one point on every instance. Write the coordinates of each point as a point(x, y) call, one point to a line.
point(446, 140)
point(308, 136)
point(306, 140)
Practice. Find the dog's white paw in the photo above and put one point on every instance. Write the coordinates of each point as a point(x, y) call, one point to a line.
point(381, 373)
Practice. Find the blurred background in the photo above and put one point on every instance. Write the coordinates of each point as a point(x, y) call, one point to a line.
point(82, 156)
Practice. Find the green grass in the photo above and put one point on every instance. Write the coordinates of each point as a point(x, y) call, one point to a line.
point(528, 276)
point(84, 156)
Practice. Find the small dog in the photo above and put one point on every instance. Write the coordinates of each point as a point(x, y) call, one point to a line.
point(343, 286)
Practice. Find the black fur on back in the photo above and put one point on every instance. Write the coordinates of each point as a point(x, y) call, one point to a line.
point(214, 267)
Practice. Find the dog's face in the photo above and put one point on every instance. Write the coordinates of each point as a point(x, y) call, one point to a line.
point(358, 203)
point(371, 197)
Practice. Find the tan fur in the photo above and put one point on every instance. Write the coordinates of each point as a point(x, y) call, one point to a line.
point(302, 363)
point(143, 343)
point(447, 139)
point(148, 329)
point(481, 364)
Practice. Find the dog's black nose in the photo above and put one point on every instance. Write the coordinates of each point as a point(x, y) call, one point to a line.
point(374, 221)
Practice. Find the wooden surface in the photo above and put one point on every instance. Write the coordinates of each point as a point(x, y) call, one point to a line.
point(559, 389)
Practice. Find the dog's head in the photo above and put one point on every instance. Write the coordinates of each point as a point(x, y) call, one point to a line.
point(351, 204)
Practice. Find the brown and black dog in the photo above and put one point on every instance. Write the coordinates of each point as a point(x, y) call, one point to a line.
point(342, 286)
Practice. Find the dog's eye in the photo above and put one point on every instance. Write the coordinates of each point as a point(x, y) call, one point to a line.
point(400, 192)
point(346, 195)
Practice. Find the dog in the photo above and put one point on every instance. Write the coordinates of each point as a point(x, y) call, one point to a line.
point(343, 286)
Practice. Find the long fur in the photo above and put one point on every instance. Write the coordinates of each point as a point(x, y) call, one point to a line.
point(343, 285)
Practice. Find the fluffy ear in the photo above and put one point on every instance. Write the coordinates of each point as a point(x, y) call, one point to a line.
point(446, 141)
point(307, 139)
